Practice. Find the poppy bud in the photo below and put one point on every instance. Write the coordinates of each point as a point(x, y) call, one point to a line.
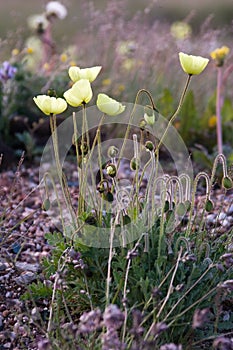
point(113, 152)
point(111, 170)
point(227, 182)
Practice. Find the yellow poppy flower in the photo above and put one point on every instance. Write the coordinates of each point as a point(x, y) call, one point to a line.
point(212, 121)
point(50, 105)
point(79, 94)
point(90, 74)
point(181, 30)
point(108, 105)
point(219, 55)
point(192, 65)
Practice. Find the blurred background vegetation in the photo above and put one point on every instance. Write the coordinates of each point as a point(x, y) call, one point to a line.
point(133, 41)
point(14, 13)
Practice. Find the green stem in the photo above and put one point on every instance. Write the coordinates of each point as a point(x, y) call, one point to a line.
point(131, 118)
point(218, 109)
point(174, 115)
point(170, 289)
point(61, 177)
point(172, 118)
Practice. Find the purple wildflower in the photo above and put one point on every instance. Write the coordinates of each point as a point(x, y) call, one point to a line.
point(7, 71)
point(111, 341)
point(90, 321)
point(113, 317)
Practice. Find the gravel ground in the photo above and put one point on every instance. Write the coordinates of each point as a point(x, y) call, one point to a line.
point(22, 246)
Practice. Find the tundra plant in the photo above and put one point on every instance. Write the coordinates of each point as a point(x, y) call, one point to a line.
point(125, 267)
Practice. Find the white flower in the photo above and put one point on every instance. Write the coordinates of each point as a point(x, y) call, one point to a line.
point(38, 22)
point(55, 8)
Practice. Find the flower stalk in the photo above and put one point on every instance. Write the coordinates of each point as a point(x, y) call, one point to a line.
point(218, 109)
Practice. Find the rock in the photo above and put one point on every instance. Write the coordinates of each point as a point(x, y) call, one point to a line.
point(222, 216)
point(1, 323)
point(24, 266)
point(211, 218)
point(230, 210)
point(25, 278)
point(225, 223)
point(3, 267)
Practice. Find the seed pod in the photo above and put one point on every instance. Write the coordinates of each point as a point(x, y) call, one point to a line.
point(227, 182)
point(111, 170)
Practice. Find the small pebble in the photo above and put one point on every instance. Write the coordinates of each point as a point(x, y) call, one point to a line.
point(230, 210)
point(221, 216)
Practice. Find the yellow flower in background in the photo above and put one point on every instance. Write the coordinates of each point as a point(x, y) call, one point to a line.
point(72, 63)
point(121, 88)
point(29, 50)
point(33, 53)
point(46, 66)
point(90, 74)
point(15, 52)
point(219, 55)
point(212, 121)
point(129, 63)
point(63, 57)
point(79, 94)
point(106, 82)
point(181, 30)
point(192, 65)
point(108, 105)
point(50, 105)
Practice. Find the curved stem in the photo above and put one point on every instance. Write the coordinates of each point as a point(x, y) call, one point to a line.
point(172, 118)
point(219, 158)
point(131, 118)
point(208, 188)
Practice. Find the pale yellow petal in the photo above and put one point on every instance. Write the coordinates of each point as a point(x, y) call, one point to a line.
point(192, 65)
point(108, 105)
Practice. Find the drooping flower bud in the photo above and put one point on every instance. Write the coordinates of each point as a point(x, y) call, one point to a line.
point(108, 105)
point(113, 151)
point(227, 182)
point(149, 146)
